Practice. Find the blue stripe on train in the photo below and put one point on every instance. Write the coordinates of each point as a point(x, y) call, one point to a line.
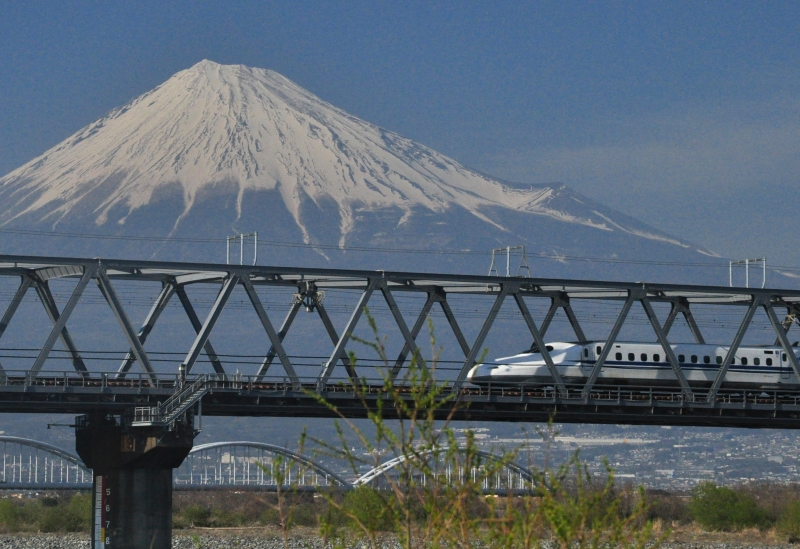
point(666, 366)
point(695, 366)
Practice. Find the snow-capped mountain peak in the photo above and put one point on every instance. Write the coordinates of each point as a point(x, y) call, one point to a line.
point(220, 149)
point(214, 124)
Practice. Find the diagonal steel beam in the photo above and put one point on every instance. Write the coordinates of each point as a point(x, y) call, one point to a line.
point(788, 321)
point(338, 350)
point(167, 291)
point(410, 342)
point(334, 335)
point(587, 388)
point(287, 323)
point(415, 330)
point(782, 337)
point(737, 340)
point(15, 302)
point(211, 320)
point(451, 319)
point(539, 340)
point(271, 334)
point(573, 320)
point(662, 339)
point(24, 285)
point(674, 311)
point(681, 307)
point(555, 305)
point(505, 289)
point(180, 291)
point(50, 307)
point(135, 343)
point(693, 327)
point(60, 323)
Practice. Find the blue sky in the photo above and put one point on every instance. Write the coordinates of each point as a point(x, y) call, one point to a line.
point(683, 114)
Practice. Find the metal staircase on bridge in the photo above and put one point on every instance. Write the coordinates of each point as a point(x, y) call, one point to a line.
point(167, 412)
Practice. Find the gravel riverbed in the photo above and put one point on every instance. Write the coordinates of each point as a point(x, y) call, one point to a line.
point(251, 541)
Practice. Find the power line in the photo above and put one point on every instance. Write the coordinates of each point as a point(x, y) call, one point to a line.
point(412, 251)
point(373, 249)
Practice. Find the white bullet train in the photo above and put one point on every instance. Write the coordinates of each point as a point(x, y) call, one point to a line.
point(642, 364)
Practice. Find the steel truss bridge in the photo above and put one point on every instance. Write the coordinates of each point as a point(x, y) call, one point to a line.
point(160, 394)
point(240, 465)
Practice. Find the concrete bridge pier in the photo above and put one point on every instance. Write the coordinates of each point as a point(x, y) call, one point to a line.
point(132, 491)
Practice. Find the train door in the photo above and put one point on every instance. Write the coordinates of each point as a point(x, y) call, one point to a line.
point(786, 367)
point(597, 350)
point(587, 356)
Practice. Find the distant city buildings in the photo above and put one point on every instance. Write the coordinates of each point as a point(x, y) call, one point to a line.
point(674, 459)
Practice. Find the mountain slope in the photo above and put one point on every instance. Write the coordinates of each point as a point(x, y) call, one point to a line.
point(219, 148)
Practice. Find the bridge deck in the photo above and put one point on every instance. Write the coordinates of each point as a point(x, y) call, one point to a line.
point(278, 397)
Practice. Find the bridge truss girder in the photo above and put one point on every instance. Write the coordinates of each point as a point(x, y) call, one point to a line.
point(309, 284)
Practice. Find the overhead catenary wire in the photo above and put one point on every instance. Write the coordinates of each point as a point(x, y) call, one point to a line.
point(722, 264)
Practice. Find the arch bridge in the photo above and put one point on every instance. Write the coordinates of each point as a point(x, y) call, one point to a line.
point(33, 465)
point(500, 474)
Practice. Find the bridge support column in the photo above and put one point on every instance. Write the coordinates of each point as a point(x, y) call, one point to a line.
point(132, 496)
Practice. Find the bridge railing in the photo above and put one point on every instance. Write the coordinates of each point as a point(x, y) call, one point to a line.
point(161, 387)
point(102, 380)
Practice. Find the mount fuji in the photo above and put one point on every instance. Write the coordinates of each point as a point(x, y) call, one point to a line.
point(220, 149)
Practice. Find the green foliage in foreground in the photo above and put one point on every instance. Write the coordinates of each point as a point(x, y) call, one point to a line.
point(374, 509)
point(722, 508)
point(789, 522)
point(46, 514)
point(420, 505)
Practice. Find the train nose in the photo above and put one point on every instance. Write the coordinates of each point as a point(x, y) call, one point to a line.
point(480, 372)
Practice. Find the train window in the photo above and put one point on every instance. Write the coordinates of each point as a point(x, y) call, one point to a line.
point(631, 356)
point(706, 359)
point(757, 361)
point(586, 352)
point(599, 350)
point(644, 357)
point(656, 358)
point(784, 357)
point(681, 358)
point(719, 359)
point(618, 356)
point(694, 359)
point(733, 361)
point(769, 362)
point(744, 361)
